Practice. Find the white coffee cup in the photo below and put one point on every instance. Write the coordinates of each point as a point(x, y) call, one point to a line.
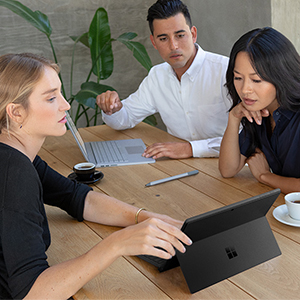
point(292, 201)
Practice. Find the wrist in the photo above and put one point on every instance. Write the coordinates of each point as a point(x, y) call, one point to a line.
point(264, 177)
point(138, 218)
point(233, 119)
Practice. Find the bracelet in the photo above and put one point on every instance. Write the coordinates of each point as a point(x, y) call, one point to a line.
point(137, 214)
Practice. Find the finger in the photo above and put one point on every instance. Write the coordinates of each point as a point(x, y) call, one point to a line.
point(102, 101)
point(152, 150)
point(174, 234)
point(248, 115)
point(257, 115)
point(265, 112)
point(107, 101)
point(257, 150)
point(113, 100)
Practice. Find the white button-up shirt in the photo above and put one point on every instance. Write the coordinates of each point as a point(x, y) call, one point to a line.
point(194, 109)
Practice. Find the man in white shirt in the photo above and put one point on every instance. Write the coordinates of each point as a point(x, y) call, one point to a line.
point(187, 90)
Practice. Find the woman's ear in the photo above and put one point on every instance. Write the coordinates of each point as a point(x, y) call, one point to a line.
point(15, 112)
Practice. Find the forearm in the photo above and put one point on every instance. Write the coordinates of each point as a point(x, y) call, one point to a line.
point(286, 184)
point(63, 280)
point(100, 208)
point(103, 209)
point(230, 160)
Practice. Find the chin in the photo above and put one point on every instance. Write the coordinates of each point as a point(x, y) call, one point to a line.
point(61, 132)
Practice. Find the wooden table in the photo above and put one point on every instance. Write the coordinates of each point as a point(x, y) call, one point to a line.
point(132, 278)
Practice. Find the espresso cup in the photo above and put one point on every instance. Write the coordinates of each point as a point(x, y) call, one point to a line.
point(292, 201)
point(84, 171)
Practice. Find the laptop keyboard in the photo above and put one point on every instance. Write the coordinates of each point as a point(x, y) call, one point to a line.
point(154, 260)
point(107, 151)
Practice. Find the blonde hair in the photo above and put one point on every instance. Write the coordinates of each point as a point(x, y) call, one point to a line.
point(19, 74)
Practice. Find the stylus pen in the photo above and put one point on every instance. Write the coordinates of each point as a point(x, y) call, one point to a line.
point(172, 178)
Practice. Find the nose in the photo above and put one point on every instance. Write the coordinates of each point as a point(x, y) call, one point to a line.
point(247, 87)
point(64, 104)
point(173, 43)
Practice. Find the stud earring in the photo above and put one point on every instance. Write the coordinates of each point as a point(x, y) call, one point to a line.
point(21, 126)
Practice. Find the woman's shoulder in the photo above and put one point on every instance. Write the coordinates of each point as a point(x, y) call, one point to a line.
point(18, 177)
point(11, 158)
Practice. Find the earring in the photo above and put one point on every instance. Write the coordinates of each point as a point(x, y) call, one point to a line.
point(21, 126)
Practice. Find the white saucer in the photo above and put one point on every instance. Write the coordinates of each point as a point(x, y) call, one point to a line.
point(280, 213)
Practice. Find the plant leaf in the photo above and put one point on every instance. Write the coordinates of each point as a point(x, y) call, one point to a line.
point(89, 91)
point(138, 50)
point(39, 20)
point(151, 120)
point(84, 39)
point(127, 36)
point(100, 45)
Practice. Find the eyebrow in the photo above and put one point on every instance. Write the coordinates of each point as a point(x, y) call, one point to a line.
point(235, 71)
point(176, 32)
point(49, 91)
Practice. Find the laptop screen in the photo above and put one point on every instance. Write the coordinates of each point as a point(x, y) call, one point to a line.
point(76, 135)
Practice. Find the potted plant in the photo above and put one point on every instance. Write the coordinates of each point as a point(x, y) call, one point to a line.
point(98, 39)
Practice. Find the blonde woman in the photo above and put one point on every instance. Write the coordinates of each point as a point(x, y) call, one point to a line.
point(32, 108)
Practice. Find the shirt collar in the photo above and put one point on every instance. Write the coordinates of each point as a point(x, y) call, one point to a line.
point(282, 111)
point(196, 65)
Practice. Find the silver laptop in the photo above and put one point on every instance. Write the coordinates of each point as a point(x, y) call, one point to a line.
point(110, 153)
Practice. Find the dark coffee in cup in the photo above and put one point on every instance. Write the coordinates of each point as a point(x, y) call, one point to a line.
point(296, 201)
point(84, 171)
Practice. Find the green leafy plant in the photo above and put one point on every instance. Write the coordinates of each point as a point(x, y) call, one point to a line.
point(98, 40)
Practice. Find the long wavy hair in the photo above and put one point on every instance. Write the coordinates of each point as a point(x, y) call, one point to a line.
point(275, 60)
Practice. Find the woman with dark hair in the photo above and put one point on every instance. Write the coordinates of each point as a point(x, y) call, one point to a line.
point(263, 79)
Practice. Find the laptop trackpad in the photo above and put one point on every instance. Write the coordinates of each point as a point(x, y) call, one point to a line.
point(134, 149)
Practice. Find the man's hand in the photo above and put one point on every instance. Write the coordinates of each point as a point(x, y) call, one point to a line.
point(171, 150)
point(109, 102)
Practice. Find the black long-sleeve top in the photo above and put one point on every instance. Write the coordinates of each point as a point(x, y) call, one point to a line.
point(24, 231)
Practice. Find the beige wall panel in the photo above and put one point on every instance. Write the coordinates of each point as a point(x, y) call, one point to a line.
point(286, 19)
point(219, 23)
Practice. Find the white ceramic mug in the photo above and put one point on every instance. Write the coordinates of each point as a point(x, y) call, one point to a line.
point(292, 201)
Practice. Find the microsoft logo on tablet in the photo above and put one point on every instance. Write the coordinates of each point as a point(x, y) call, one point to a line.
point(231, 252)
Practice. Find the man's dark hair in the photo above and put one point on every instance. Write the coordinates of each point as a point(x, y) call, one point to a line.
point(164, 9)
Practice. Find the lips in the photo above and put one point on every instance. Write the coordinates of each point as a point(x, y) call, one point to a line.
point(175, 55)
point(63, 120)
point(248, 101)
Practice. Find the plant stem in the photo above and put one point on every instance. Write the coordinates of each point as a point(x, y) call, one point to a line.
point(56, 61)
